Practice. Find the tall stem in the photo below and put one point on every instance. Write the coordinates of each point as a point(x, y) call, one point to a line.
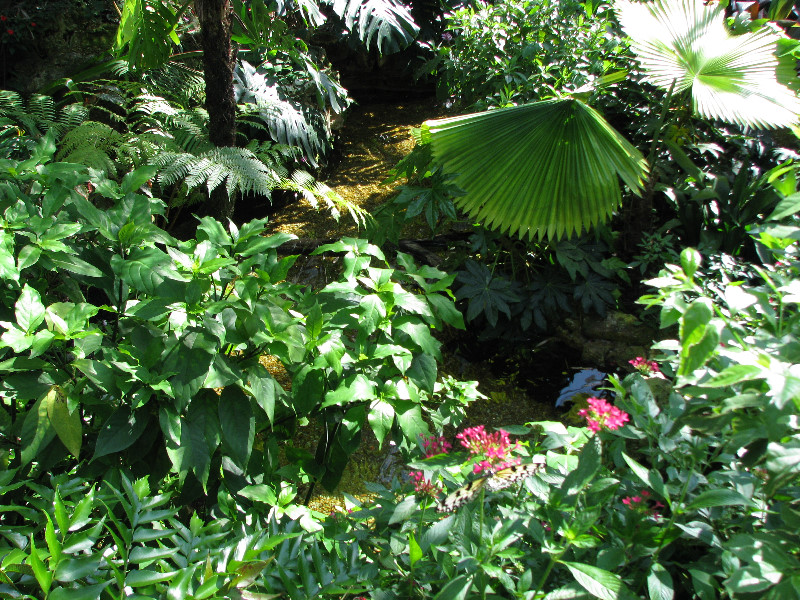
point(661, 119)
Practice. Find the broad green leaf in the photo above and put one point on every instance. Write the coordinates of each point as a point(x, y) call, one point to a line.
point(403, 510)
point(546, 169)
point(736, 78)
point(736, 374)
point(650, 478)
point(141, 577)
point(238, 425)
point(37, 431)
point(456, 589)
point(43, 575)
point(659, 583)
point(259, 493)
point(356, 388)
point(68, 426)
point(380, 417)
point(445, 309)
point(73, 264)
point(423, 372)
point(74, 569)
point(719, 497)
point(87, 592)
point(420, 335)
point(29, 309)
point(414, 550)
point(372, 313)
point(120, 431)
point(599, 582)
point(588, 465)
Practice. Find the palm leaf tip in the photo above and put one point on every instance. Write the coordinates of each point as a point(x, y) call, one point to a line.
point(736, 78)
point(546, 169)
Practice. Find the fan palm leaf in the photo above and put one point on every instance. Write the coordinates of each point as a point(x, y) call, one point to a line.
point(549, 168)
point(736, 78)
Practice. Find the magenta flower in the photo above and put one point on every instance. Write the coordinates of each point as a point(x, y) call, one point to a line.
point(496, 448)
point(601, 414)
point(423, 486)
point(645, 367)
point(435, 445)
point(642, 505)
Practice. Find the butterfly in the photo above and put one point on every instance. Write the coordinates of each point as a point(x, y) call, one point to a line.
point(493, 482)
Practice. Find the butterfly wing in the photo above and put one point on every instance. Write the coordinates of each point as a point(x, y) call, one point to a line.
point(493, 482)
point(511, 475)
point(462, 495)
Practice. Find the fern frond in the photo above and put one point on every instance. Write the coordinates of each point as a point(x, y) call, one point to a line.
point(238, 168)
point(314, 191)
point(92, 144)
point(178, 82)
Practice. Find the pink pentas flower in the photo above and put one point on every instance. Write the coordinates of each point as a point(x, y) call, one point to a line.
point(495, 446)
point(645, 367)
point(422, 485)
point(601, 414)
point(435, 445)
point(641, 504)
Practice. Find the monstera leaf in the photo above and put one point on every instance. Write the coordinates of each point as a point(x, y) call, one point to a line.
point(736, 78)
point(548, 168)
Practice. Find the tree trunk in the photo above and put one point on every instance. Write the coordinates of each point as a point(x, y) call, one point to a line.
point(219, 59)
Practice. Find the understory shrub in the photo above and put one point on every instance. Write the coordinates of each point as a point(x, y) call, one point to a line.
point(682, 488)
point(123, 346)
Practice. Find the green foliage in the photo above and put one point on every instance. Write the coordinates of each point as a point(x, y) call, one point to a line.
point(512, 52)
point(117, 339)
point(536, 284)
point(69, 539)
point(557, 174)
point(146, 29)
point(742, 78)
point(694, 497)
point(388, 22)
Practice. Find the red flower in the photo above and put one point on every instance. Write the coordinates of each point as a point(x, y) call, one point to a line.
point(33, 24)
point(3, 18)
point(10, 31)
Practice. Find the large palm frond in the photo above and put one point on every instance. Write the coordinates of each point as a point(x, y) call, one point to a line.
point(736, 78)
point(544, 169)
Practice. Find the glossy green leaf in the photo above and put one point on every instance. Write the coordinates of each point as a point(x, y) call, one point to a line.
point(68, 426)
point(238, 425)
point(380, 417)
point(44, 576)
point(659, 583)
point(120, 431)
point(719, 497)
point(37, 431)
point(599, 582)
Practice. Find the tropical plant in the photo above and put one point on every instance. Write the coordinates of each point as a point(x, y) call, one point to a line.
point(523, 175)
point(683, 487)
point(116, 340)
point(505, 53)
point(148, 29)
point(67, 538)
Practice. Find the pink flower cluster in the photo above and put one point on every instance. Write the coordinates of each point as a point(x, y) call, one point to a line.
point(601, 414)
point(435, 445)
point(641, 504)
point(645, 367)
point(423, 486)
point(495, 447)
